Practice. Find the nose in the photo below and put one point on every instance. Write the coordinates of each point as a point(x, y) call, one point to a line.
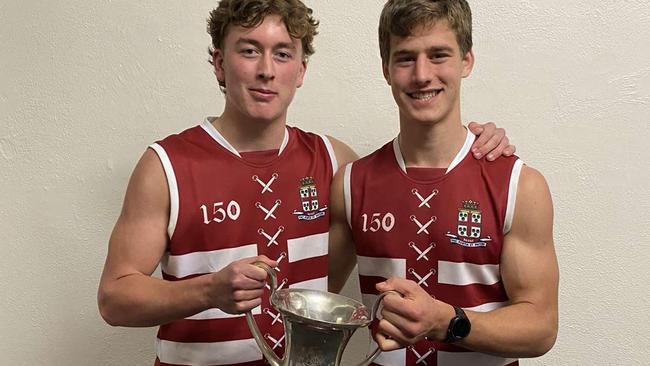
point(422, 75)
point(266, 68)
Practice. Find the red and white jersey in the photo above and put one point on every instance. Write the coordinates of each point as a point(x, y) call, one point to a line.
point(227, 206)
point(442, 228)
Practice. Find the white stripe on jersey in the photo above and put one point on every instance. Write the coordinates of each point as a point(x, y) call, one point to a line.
point(330, 150)
point(217, 353)
point(219, 314)
point(315, 284)
point(462, 153)
point(205, 262)
point(381, 267)
point(489, 306)
point(461, 274)
point(512, 195)
point(471, 359)
point(469, 140)
point(307, 247)
point(347, 195)
point(172, 185)
point(216, 136)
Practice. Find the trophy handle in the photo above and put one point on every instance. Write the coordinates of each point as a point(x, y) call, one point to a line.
point(252, 325)
point(375, 308)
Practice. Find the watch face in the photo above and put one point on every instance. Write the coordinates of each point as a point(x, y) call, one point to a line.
point(461, 328)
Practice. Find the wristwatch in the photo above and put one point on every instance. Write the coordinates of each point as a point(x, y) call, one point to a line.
point(459, 326)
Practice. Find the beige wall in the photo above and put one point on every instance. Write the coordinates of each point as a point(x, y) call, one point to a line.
point(86, 85)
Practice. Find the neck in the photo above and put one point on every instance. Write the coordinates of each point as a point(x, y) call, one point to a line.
point(246, 134)
point(432, 145)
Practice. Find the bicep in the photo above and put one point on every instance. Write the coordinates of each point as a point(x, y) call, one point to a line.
point(528, 262)
point(139, 237)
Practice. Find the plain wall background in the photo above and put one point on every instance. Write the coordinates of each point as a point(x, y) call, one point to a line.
point(85, 86)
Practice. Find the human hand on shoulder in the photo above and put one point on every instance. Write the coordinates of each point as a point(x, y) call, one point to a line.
point(492, 141)
point(408, 319)
point(238, 287)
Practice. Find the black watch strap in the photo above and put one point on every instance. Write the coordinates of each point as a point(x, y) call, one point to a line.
point(459, 326)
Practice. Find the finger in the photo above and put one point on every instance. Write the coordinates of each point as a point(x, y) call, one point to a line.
point(386, 344)
point(246, 295)
point(389, 330)
point(490, 144)
point(475, 127)
point(244, 282)
point(498, 151)
point(485, 132)
point(403, 286)
point(244, 306)
point(510, 150)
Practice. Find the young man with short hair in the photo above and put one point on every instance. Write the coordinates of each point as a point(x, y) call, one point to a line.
point(468, 244)
point(242, 187)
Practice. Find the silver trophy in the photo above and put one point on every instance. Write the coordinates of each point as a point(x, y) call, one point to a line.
point(317, 325)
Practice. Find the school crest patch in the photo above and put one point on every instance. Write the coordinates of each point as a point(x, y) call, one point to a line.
point(468, 228)
point(310, 209)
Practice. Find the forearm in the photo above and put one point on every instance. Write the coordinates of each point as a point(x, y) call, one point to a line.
point(518, 330)
point(138, 300)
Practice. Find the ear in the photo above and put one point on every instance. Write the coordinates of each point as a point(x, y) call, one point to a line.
point(468, 63)
point(301, 75)
point(217, 61)
point(386, 71)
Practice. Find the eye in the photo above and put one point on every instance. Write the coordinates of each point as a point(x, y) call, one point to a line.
point(439, 57)
point(404, 60)
point(248, 52)
point(284, 55)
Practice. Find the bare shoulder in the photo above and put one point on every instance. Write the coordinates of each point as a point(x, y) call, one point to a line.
point(148, 184)
point(533, 216)
point(532, 184)
point(344, 153)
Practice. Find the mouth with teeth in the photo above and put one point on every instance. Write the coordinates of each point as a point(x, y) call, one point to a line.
point(424, 95)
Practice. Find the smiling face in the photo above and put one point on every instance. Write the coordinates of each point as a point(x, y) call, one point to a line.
point(424, 71)
point(262, 68)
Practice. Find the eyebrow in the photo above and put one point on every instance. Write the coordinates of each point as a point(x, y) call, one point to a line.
point(259, 45)
point(434, 49)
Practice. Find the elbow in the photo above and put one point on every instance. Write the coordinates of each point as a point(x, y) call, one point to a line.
point(544, 342)
point(107, 309)
point(548, 340)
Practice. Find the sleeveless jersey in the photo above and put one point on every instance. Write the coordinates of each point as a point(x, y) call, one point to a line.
point(225, 208)
point(445, 232)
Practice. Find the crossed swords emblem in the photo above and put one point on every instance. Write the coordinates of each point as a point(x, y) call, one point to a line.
point(424, 201)
point(270, 238)
point(276, 342)
point(280, 286)
point(276, 317)
point(268, 212)
point(422, 280)
point(423, 227)
point(266, 186)
point(422, 253)
point(421, 358)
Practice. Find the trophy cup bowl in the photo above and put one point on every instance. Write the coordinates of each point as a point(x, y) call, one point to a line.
point(317, 325)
